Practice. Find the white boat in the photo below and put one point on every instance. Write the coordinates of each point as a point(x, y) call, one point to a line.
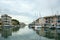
point(37, 27)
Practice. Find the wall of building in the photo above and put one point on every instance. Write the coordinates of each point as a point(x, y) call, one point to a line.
point(6, 20)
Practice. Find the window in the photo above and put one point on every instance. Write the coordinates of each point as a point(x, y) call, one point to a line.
point(58, 21)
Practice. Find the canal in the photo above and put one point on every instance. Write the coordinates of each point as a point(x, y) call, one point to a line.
point(25, 34)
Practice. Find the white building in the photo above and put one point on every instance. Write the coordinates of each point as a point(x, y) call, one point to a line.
point(6, 20)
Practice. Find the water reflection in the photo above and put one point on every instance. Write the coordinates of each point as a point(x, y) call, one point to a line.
point(51, 33)
point(25, 34)
point(6, 31)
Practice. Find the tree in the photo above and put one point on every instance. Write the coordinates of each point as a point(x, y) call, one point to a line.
point(15, 22)
point(22, 25)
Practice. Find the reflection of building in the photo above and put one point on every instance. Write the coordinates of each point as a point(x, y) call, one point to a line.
point(6, 32)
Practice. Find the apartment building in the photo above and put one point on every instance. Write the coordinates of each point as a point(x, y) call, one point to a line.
point(37, 24)
point(6, 20)
point(52, 21)
point(48, 21)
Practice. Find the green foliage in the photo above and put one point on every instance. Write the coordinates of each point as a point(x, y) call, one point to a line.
point(15, 22)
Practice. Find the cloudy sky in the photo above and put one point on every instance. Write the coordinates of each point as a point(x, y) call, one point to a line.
point(28, 10)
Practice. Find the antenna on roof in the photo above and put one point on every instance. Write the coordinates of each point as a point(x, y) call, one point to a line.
point(52, 11)
point(57, 13)
point(39, 14)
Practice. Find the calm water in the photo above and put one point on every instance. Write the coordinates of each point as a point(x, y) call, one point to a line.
point(25, 34)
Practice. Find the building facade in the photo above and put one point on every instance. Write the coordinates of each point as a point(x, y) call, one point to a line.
point(6, 20)
point(52, 21)
point(48, 21)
